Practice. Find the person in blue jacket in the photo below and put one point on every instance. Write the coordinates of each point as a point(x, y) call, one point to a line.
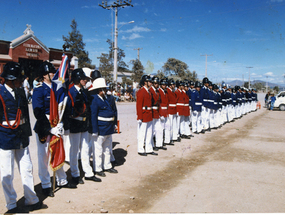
point(15, 131)
point(79, 125)
point(196, 104)
point(43, 130)
point(103, 126)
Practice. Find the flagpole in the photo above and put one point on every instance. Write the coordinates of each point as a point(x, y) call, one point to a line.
point(53, 181)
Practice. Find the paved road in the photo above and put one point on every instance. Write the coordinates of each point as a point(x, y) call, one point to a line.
point(238, 168)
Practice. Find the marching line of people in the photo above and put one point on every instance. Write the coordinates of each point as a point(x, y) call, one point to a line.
point(89, 120)
point(168, 111)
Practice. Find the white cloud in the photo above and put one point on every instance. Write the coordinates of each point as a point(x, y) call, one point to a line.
point(132, 37)
point(145, 10)
point(163, 29)
point(277, 0)
point(137, 29)
point(269, 74)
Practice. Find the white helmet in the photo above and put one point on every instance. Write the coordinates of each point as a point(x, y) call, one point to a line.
point(98, 83)
point(87, 71)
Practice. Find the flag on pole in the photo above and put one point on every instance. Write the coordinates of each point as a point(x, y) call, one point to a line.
point(58, 100)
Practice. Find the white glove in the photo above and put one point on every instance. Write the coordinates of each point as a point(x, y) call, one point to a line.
point(139, 121)
point(162, 118)
point(94, 134)
point(195, 112)
point(55, 131)
point(60, 128)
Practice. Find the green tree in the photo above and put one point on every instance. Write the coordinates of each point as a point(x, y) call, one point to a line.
point(149, 67)
point(258, 86)
point(276, 89)
point(74, 41)
point(106, 65)
point(160, 74)
point(175, 67)
point(137, 70)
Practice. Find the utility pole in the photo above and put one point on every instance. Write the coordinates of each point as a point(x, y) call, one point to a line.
point(249, 76)
point(206, 62)
point(138, 52)
point(242, 80)
point(116, 5)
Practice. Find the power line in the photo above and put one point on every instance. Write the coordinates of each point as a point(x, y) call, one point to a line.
point(116, 5)
point(138, 52)
point(206, 63)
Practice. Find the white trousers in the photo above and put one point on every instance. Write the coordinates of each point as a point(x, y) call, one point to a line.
point(205, 117)
point(197, 125)
point(145, 137)
point(66, 142)
point(185, 129)
point(174, 126)
point(102, 152)
point(77, 140)
point(166, 124)
point(43, 165)
point(158, 126)
point(25, 166)
point(212, 118)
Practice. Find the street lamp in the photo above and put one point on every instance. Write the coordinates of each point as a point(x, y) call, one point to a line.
point(116, 47)
point(249, 76)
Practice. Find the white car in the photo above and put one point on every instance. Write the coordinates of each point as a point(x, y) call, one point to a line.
point(280, 101)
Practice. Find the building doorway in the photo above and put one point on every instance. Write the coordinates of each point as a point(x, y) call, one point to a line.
point(30, 67)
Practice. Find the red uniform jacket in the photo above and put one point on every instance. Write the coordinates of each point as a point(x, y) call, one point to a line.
point(143, 105)
point(155, 102)
point(172, 100)
point(186, 104)
point(163, 109)
point(180, 102)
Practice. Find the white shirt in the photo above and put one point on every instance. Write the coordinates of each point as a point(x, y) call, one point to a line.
point(10, 90)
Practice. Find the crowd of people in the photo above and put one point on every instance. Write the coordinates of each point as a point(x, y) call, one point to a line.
point(168, 111)
point(88, 122)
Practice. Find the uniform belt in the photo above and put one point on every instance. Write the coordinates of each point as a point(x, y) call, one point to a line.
point(186, 104)
point(11, 122)
point(107, 119)
point(198, 103)
point(163, 108)
point(210, 100)
point(148, 108)
point(215, 103)
point(206, 100)
point(154, 108)
point(172, 105)
point(180, 104)
point(80, 118)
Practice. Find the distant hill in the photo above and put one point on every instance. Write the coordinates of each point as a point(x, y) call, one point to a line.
point(240, 83)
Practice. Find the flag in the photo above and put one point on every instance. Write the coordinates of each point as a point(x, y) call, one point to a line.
point(58, 100)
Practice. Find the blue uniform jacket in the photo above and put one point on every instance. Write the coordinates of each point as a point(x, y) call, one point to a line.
point(101, 109)
point(80, 107)
point(189, 91)
point(41, 106)
point(204, 93)
point(196, 101)
point(234, 99)
point(19, 137)
point(211, 99)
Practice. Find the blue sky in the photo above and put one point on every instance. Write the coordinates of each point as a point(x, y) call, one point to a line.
point(238, 34)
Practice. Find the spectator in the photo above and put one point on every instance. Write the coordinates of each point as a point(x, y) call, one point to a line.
point(272, 101)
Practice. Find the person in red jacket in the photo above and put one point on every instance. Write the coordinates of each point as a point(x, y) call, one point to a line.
point(144, 117)
point(185, 129)
point(156, 126)
point(179, 107)
point(163, 113)
point(172, 100)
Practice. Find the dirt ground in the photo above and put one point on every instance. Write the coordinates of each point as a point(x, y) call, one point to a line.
point(238, 168)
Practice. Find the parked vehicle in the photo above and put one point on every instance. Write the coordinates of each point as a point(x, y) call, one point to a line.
point(280, 101)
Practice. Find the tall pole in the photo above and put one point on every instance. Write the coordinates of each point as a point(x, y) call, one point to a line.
point(116, 5)
point(206, 63)
point(116, 47)
point(249, 76)
point(266, 83)
point(138, 52)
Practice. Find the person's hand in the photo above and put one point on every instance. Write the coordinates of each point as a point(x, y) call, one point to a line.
point(60, 128)
point(139, 121)
point(95, 135)
point(162, 118)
